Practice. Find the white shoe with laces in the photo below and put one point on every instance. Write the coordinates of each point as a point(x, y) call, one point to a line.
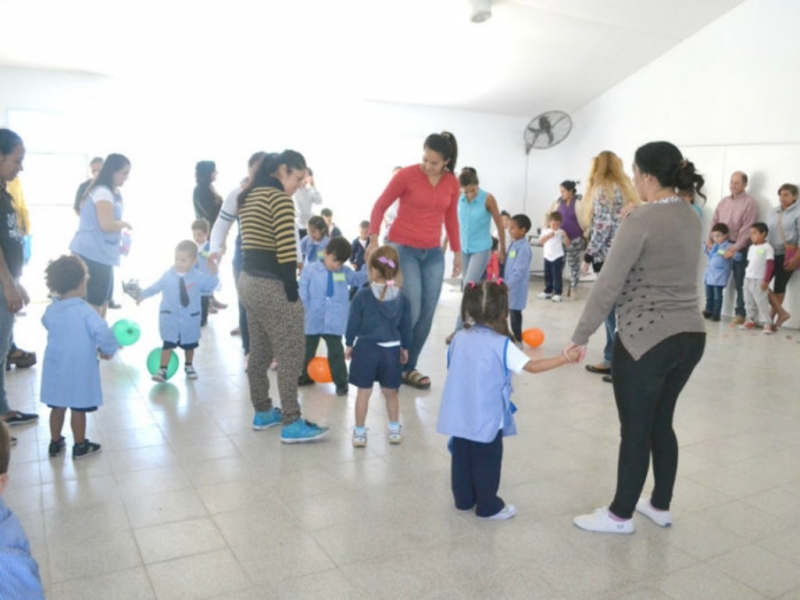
point(662, 518)
point(602, 522)
point(508, 511)
point(556, 298)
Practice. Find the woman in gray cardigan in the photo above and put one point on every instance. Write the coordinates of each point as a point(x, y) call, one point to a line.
point(650, 279)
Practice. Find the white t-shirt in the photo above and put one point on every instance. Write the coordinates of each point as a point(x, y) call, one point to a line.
point(757, 257)
point(101, 194)
point(553, 249)
point(516, 359)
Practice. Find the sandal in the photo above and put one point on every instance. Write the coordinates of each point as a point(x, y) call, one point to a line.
point(21, 359)
point(415, 379)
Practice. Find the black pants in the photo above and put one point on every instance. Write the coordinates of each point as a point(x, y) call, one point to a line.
point(475, 475)
point(516, 323)
point(553, 276)
point(204, 302)
point(335, 358)
point(646, 391)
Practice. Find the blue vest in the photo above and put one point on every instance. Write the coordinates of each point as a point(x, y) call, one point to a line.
point(475, 223)
point(92, 242)
point(719, 268)
point(476, 400)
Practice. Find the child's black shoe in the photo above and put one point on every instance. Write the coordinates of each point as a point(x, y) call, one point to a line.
point(54, 449)
point(85, 449)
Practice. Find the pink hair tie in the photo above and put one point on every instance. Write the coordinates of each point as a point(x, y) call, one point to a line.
point(471, 285)
point(499, 281)
point(386, 261)
point(390, 282)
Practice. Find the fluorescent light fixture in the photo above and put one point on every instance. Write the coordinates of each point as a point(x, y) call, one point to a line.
point(481, 10)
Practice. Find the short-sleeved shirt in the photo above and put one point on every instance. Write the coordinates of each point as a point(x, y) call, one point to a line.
point(757, 257)
point(10, 237)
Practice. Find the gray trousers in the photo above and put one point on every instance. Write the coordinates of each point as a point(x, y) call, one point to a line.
point(756, 302)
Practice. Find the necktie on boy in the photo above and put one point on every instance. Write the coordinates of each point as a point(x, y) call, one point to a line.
point(184, 293)
point(329, 291)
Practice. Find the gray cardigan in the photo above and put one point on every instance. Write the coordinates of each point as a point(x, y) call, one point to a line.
point(649, 278)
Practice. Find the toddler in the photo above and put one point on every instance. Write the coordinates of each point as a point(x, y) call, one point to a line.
point(324, 290)
point(312, 246)
point(19, 573)
point(200, 232)
point(476, 406)
point(760, 266)
point(378, 337)
point(179, 321)
point(70, 373)
point(718, 271)
point(517, 271)
point(553, 239)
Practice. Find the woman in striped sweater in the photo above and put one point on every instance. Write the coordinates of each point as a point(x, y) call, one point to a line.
point(268, 289)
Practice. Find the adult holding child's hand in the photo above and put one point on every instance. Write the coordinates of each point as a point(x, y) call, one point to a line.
point(650, 279)
point(427, 196)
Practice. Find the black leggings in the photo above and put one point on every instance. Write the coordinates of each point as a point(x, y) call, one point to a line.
point(646, 391)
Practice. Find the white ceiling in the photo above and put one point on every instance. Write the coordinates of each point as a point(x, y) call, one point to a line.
point(533, 55)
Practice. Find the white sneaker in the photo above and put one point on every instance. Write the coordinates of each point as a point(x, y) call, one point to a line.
point(508, 511)
point(359, 439)
point(396, 435)
point(662, 518)
point(556, 298)
point(544, 296)
point(601, 522)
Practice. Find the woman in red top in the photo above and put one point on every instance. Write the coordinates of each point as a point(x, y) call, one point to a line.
point(428, 196)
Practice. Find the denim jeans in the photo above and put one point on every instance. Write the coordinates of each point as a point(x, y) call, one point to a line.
point(646, 391)
point(714, 299)
point(423, 274)
point(738, 280)
point(473, 268)
point(611, 333)
point(6, 333)
point(553, 276)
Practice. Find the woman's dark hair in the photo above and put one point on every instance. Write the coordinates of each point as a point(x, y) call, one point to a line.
point(486, 303)
point(255, 158)
point(65, 274)
point(265, 176)
point(340, 248)
point(8, 141)
point(445, 144)
point(319, 223)
point(665, 162)
point(105, 178)
point(468, 176)
point(721, 228)
point(788, 187)
point(569, 185)
point(203, 171)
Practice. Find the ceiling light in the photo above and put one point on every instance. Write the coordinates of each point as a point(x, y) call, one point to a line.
point(481, 10)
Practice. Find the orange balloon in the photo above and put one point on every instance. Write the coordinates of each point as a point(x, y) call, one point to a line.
point(534, 337)
point(319, 369)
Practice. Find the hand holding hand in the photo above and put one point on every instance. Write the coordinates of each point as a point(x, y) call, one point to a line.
point(348, 353)
point(764, 286)
point(574, 353)
point(456, 265)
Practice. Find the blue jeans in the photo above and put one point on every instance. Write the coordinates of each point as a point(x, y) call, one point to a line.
point(423, 274)
point(714, 299)
point(553, 276)
point(611, 333)
point(473, 268)
point(6, 332)
point(739, 267)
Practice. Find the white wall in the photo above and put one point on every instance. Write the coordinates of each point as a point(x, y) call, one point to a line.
point(166, 126)
point(727, 96)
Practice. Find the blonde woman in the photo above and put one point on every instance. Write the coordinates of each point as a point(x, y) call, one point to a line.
point(609, 196)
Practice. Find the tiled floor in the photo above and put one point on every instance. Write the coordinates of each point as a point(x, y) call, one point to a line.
point(187, 501)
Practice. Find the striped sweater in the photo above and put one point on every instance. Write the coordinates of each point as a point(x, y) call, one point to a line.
point(267, 224)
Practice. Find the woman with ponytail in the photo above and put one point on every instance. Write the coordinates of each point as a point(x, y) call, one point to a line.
point(428, 198)
point(650, 278)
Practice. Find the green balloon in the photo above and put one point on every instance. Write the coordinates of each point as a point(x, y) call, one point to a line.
point(154, 362)
point(127, 332)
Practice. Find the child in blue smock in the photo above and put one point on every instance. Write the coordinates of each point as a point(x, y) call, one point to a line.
point(325, 292)
point(71, 373)
point(378, 335)
point(718, 271)
point(517, 271)
point(19, 572)
point(200, 233)
point(312, 246)
point(179, 322)
point(476, 404)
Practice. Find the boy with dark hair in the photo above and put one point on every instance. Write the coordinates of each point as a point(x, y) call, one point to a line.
point(518, 271)
point(327, 214)
point(552, 240)
point(324, 290)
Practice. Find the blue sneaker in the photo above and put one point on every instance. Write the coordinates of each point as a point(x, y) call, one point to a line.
point(302, 431)
point(267, 419)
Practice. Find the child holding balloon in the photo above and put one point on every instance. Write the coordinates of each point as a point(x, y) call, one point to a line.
point(378, 336)
point(179, 320)
point(476, 407)
point(70, 374)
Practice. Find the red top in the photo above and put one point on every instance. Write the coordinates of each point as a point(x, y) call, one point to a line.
point(421, 210)
point(493, 268)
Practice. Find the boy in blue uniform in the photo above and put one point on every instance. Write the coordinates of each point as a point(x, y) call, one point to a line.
point(518, 271)
point(312, 246)
point(324, 290)
point(181, 289)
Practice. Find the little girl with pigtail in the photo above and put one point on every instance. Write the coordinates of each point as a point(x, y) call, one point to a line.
point(377, 338)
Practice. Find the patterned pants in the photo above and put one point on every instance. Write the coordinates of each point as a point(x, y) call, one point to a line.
point(276, 331)
point(575, 257)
